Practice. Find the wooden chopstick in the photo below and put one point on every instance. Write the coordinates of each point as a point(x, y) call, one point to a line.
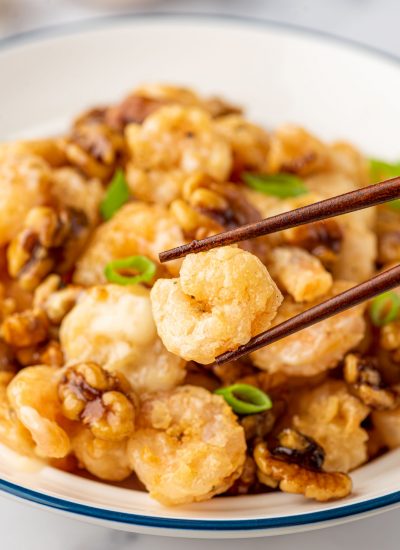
point(342, 204)
point(345, 300)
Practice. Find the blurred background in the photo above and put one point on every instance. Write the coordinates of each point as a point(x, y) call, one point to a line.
point(372, 22)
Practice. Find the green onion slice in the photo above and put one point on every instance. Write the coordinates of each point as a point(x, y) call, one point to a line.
point(116, 196)
point(143, 265)
point(380, 170)
point(277, 185)
point(245, 399)
point(384, 308)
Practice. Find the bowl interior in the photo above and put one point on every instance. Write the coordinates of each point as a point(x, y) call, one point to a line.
point(279, 75)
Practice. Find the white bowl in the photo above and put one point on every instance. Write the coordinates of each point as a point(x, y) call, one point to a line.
point(279, 73)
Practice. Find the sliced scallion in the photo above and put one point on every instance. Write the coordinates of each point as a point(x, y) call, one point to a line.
point(245, 399)
point(146, 270)
point(117, 195)
point(277, 185)
point(384, 308)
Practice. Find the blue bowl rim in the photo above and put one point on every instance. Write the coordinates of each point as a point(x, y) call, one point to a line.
point(345, 511)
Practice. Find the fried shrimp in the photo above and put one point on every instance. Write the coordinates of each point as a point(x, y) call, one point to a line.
point(113, 326)
point(12, 432)
point(107, 460)
point(188, 445)
point(222, 298)
point(332, 416)
point(316, 348)
point(39, 410)
point(25, 183)
point(180, 137)
point(300, 274)
point(137, 228)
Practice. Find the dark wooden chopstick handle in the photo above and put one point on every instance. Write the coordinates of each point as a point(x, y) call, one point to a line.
point(345, 300)
point(342, 204)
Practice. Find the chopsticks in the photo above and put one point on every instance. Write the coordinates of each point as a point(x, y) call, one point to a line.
point(372, 195)
point(341, 302)
point(342, 204)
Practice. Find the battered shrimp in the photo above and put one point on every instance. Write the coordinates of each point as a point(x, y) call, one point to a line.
point(113, 326)
point(107, 460)
point(25, 181)
point(300, 273)
point(71, 189)
point(188, 446)
point(222, 298)
point(250, 143)
point(33, 395)
point(359, 249)
point(387, 424)
point(137, 228)
point(177, 139)
point(316, 348)
point(12, 432)
point(332, 416)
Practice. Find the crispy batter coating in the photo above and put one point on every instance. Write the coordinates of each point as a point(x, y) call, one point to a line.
point(33, 396)
point(113, 325)
point(137, 228)
point(105, 459)
point(316, 348)
point(12, 432)
point(25, 183)
point(332, 416)
point(188, 445)
point(174, 141)
point(300, 274)
point(222, 298)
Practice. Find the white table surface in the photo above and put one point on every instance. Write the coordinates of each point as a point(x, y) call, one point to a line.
point(373, 22)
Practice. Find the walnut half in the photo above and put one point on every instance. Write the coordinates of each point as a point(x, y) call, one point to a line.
point(293, 478)
point(100, 400)
point(362, 374)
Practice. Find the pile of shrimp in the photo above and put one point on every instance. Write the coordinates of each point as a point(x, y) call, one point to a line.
point(119, 379)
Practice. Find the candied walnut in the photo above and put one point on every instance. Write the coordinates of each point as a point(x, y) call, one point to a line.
point(48, 354)
point(134, 108)
point(257, 426)
point(25, 329)
point(50, 239)
point(61, 302)
point(294, 478)
point(229, 373)
point(365, 380)
point(209, 207)
point(322, 239)
point(100, 400)
point(333, 417)
point(298, 448)
point(94, 147)
point(8, 362)
point(247, 482)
